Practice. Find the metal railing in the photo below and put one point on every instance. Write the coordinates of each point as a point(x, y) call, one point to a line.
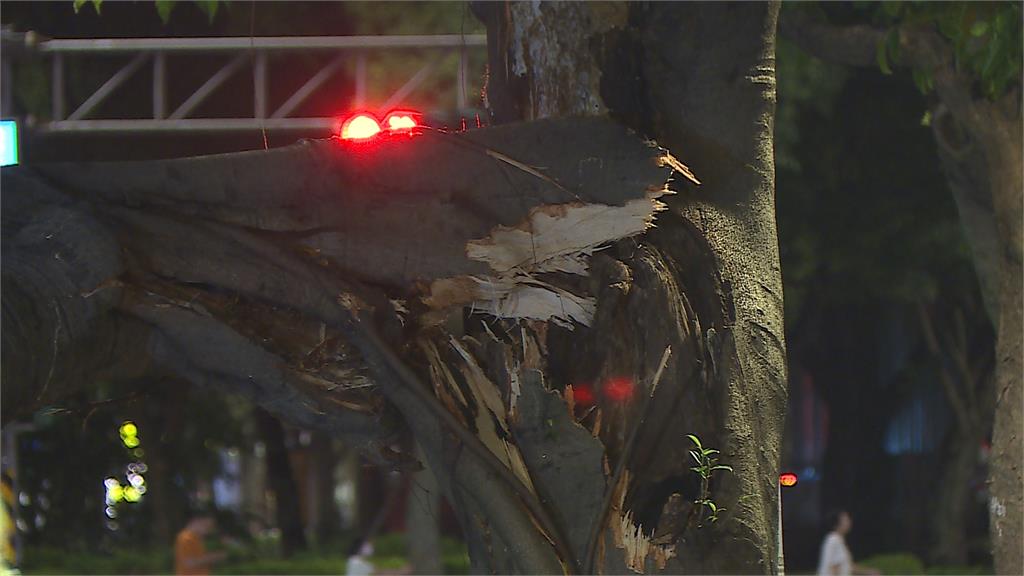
point(247, 52)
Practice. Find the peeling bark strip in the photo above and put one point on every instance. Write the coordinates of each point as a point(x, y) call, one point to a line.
point(556, 238)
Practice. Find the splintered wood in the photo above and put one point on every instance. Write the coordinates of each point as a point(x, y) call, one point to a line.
point(481, 402)
point(630, 537)
point(554, 240)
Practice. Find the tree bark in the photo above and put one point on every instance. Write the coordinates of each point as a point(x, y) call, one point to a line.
point(423, 523)
point(714, 101)
point(1006, 505)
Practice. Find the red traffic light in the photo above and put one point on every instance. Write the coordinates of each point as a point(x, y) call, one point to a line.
point(788, 479)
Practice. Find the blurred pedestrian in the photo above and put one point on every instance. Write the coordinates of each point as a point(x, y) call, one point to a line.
point(359, 559)
point(836, 559)
point(190, 555)
point(359, 562)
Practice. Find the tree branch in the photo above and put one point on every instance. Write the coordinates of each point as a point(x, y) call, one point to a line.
point(850, 45)
point(340, 234)
point(956, 400)
point(920, 46)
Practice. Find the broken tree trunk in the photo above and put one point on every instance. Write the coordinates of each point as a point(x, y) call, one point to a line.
point(704, 283)
point(529, 300)
point(327, 282)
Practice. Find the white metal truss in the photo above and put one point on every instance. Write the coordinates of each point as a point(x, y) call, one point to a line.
point(246, 52)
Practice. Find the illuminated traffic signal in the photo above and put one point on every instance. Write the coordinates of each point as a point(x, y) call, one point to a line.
point(788, 479)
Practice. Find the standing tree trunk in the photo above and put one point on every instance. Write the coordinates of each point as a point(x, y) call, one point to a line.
point(699, 79)
point(1006, 507)
point(282, 484)
point(324, 462)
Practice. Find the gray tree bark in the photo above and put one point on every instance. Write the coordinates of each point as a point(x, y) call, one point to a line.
point(423, 520)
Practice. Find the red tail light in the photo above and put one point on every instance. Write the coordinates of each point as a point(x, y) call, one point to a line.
point(360, 127)
point(401, 121)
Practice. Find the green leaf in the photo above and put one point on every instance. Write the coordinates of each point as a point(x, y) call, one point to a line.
point(77, 5)
point(922, 79)
point(979, 28)
point(695, 440)
point(892, 40)
point(708, 452)
point(164, 8)
point(722, 467)
point(882, 57)
point(209, 7)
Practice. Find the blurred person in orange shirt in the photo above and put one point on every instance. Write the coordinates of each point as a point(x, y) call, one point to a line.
point(190, 555)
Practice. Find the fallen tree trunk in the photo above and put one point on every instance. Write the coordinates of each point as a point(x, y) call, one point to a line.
point(326, 281)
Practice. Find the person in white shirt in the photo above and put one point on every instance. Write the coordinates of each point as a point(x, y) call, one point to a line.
point(835, 557)
point(359, 561)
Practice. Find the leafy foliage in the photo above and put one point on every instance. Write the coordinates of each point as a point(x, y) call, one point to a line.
point(707, 465)
point(985, 38)
point(163, 7)
point(95, 4)
point(860, 219)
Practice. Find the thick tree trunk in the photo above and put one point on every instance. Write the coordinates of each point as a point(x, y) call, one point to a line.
point(700, 79)
point(1006, 506)
point(995, 126)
